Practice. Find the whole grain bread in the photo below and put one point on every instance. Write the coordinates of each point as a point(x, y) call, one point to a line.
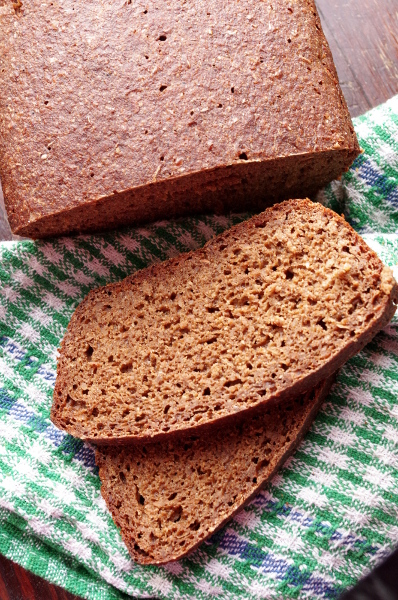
point(263, 312)
point(116, 112)
point(169, 496)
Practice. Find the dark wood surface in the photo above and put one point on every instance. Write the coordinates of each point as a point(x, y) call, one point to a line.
point(18, 584)
point(363, 36)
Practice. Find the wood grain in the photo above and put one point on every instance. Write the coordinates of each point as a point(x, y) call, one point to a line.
point(363, 36)
point(18, 584)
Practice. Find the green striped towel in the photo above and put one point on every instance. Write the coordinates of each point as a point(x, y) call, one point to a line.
point(327, 518)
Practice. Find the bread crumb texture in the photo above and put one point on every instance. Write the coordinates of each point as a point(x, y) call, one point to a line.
point(168, 496)
point(116, 112)
point(265, 310)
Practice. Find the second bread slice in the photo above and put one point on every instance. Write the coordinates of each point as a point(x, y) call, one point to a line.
point(263, 312)
point(169, 496)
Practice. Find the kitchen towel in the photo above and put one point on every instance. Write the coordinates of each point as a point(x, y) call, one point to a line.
point(327, 518)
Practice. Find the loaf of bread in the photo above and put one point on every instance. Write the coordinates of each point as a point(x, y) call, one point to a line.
point(263, 312)
point(168, 496)
point(117, 112)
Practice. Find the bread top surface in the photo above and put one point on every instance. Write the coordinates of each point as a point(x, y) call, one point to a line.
point(265, 310)
point(169, 496)
point(102, 97)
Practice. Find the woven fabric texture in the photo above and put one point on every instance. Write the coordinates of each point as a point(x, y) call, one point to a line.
point(326, 519)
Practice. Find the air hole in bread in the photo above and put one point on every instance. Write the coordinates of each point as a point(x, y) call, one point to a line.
point(229, 384)
point(195, 525)
point(175, 514)
point(89, 353)
point(212, 309)
point(140, 550)
point(262, 464)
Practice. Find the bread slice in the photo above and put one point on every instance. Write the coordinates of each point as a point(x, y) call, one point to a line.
point(169, 496)
point(117, 112)
point(263, 312)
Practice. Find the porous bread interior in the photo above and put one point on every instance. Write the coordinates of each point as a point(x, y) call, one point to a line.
point(259, 309)
point(168, 496)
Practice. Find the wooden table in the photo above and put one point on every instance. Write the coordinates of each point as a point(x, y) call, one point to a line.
point(363, 35)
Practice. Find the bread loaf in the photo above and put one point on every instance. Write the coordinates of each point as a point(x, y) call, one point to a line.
point(117, 112)
point(263, 312)
point(169, 496)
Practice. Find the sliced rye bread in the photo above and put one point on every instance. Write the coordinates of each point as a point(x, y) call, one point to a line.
point(263, 312)
point(169, 496)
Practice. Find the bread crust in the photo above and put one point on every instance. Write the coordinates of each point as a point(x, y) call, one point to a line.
point(377, 315)
point(251, 113)
point(313, 400)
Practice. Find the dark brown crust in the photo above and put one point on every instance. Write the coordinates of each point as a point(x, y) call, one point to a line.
point(384, 315)
point(252, 113)
point(248, 187)
point(320, 394)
